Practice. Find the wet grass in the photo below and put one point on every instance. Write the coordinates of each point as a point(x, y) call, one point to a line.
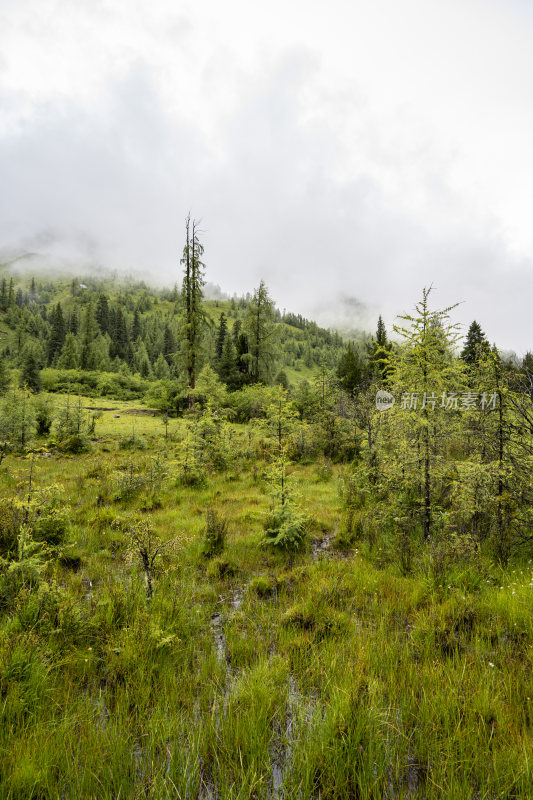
point(252, 674)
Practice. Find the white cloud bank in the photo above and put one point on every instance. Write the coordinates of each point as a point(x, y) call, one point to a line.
point(363, 149)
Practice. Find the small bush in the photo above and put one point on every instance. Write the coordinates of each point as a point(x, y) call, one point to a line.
point(320, 622)
point(76, 443)
point(128, 485)
point(53, 523)
point(44, 415)
point(262, 586)
point(10, 520)
point(215, 534)
point(285, 529)
point(133, 442)
point(220, 568)
point(324, 472)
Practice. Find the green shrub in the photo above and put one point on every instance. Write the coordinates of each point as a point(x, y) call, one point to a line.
point(75, 444)
point(262, 586)
point(10, 520)
point(51, 521)
point(133, 442)
point(44, 415)
point(220, 568)
point(128, 484)
point(285, 529)
point(215, 534)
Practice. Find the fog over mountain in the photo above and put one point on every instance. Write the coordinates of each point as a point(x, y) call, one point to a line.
point(354, 152)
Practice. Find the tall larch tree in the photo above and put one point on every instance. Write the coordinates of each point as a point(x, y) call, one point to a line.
point(261, 333)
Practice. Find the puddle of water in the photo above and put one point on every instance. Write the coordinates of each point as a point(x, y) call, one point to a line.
point(207, 789)
point(219, 638)
point(237, 597)
point(321, 547)
point(281, 753)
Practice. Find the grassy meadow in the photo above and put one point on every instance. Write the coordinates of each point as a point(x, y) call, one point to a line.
point(249, 673)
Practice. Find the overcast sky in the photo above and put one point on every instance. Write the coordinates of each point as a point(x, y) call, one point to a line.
point(347, 152)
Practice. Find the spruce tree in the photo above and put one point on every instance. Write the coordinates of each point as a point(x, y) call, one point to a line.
point(11, 294)
point(136, 326)
point(73, 322)
point(69, 354)
point(31, 374)
point(3, 295)
point(379, 350)
point(57, 335)
point(169, 344)
point(476, 345)
point(221, 336)
point(227, 366)
point(192, 296)
point(350, 370)
point(88, 337)
point(161, 370)
point(4, 376)
point(102, 313)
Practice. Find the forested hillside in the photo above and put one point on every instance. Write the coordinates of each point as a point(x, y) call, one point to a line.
point(118, 340)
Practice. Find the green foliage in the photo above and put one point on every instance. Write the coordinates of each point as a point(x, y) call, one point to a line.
point(285, 529)
point(350, 370)
point(401, 668)
point(476, 345)
point(133, 442)
point(215, 534)
point(4, 376)
point(17, 419)
point(262, 335)
point(50, 517)
point(44, 415)
point(190, 460)
point(133, 478)
point(31, 374)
